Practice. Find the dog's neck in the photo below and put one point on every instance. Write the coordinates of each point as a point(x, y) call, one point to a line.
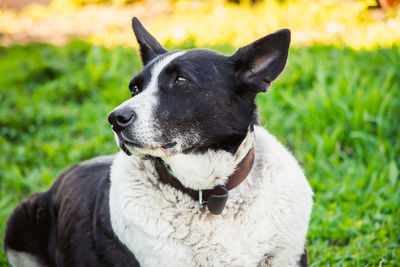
point(215, 198)
point(213, 173)
point(202, 171)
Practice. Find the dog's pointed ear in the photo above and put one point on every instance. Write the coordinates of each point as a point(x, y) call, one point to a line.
point(259, 63)
point(149, 46)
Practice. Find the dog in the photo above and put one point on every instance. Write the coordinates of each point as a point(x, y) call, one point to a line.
point(197, 181)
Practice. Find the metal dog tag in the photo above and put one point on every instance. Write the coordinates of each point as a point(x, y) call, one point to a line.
point(216, 203)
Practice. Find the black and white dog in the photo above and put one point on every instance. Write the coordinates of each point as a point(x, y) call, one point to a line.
point(198, 182)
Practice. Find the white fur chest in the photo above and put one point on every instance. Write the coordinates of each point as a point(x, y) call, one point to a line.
point(162, 226)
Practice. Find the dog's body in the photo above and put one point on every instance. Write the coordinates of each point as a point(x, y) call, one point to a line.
point(194, 112)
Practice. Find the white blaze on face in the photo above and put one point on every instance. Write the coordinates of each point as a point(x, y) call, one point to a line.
point(144, 128)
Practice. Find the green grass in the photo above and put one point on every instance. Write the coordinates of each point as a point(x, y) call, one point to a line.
point(337, 109)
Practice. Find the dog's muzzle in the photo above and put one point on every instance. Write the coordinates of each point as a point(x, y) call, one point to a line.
point(121, 117)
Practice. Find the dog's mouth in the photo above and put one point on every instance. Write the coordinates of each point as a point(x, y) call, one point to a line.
point(169, 145)
point(127, 141)
point(128, 146)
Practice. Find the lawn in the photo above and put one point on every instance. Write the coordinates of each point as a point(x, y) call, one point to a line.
point(337, 109)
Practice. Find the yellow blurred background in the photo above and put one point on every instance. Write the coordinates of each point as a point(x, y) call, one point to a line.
point(357, 24)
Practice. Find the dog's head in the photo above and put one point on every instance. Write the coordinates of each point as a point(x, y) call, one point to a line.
point(195, 100)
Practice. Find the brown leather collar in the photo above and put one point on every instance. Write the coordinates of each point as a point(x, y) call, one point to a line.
point(215, 198)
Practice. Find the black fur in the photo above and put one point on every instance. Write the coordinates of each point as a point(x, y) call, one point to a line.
point(30, 226)
point(203, 102)
point(149, 47)
point(304, 259)
point(69, 225)
point(259, 63)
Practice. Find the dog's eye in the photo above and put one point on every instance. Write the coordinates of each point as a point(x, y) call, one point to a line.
point(180, 79)
point(134, 89)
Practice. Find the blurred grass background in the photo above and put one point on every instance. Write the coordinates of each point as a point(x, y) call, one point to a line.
point(336, 105)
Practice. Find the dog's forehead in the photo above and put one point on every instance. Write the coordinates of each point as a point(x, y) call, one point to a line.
point(202, 60)
point(202, 55)
point(195, 59)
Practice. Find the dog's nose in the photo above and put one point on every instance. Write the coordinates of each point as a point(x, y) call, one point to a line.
point(121, 117)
